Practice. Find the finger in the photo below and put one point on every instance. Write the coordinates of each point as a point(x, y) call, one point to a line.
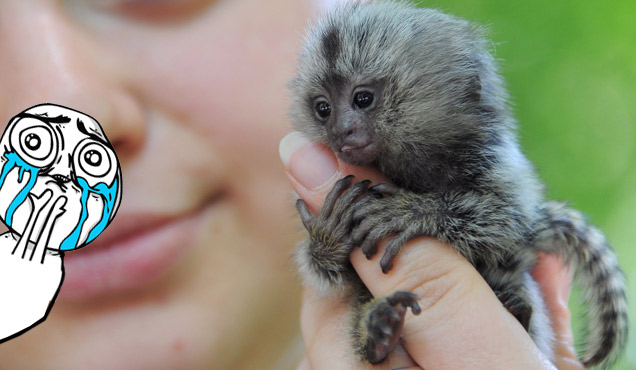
point(460, 313)
point(37, 203)
point(43, 241)
point(555, 281)
point(325, 323)
point(313, 169)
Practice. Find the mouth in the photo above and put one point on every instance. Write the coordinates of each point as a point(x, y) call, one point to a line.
point(61, 179)
point(359, 154)
point(134, 251)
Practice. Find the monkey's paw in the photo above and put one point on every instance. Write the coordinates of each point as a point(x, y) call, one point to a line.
point(393, 211)
point(382, 323)
point(330, 230)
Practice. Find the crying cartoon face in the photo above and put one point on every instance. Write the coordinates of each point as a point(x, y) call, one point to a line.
point(62, 156)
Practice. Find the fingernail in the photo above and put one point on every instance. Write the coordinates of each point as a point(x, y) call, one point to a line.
point(310, 164)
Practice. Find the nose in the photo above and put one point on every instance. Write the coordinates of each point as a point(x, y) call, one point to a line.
point(351, 131)
point(47, 57)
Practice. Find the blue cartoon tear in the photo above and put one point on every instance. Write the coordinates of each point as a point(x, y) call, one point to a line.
point(14, 160)
point(108, 195)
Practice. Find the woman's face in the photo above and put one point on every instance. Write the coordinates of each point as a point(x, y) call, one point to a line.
point(194, 270)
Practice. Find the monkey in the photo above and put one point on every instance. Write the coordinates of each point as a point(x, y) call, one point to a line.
point(416, 94)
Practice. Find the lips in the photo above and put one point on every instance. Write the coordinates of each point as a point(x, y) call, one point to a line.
point(353, 147)
point(358, 153)
point(133, 252)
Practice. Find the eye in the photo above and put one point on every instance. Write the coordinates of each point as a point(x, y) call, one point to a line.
point(94, 162)
point(323, 110)
point(34, 141)
point(94, 159)
point(363, 99)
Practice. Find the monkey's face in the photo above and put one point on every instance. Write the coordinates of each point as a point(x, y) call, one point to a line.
point(348, 114)
point(386, 84)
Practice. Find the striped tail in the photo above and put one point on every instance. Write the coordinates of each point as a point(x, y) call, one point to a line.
point(566, 233)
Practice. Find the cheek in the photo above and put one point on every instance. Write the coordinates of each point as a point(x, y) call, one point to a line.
point(70, 229)
point(10, 194)
point(225, 75)
point(81, 216)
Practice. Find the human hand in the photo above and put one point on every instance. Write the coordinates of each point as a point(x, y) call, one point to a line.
point(30, 277)
point(462, 324)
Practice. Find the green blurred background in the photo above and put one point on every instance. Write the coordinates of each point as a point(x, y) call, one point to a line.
point(571, 71)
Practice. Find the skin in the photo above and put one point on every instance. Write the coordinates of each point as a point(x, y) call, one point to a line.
point(158, 80)
point(460, 314)
point(161, 79)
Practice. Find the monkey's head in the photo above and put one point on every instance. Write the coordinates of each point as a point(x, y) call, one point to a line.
point(394, 86)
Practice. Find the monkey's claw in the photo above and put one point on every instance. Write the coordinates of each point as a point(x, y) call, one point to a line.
point(388, 210)
point(330, 230)
point(330, 200)
point(305, 214)
point(335, 204)
point(384, 322)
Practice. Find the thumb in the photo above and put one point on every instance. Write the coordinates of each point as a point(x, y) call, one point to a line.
point(313, 169)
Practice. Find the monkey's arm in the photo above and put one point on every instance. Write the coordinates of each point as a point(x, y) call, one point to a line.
point(485, 228)
point(480, 226)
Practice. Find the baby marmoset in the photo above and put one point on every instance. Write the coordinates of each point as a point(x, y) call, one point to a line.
point(415, 93)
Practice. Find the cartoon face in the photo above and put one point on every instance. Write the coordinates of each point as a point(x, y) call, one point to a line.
point(50, 148)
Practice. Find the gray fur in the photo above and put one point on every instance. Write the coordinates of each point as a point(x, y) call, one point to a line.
point(440, 129)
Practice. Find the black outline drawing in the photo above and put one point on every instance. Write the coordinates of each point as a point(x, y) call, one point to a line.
point(44, 232)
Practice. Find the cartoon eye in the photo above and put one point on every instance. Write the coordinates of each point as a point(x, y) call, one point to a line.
point(34, 141)
point(95, 162)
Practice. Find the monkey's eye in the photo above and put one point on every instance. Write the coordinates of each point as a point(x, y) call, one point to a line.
point(323, 110)
point(363, 99)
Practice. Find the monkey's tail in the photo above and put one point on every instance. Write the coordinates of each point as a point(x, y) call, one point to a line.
point(599, 275)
